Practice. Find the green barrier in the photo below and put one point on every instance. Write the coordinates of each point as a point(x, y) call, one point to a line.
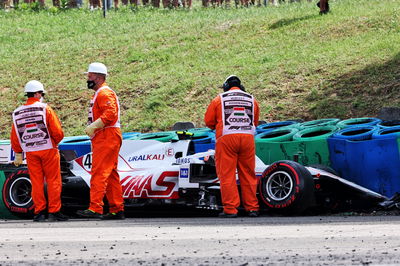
point(4, 212)
point(319, 122)
point(315, 133)
point(276, 135)
point(276, 125)
point(308, 146)
point(304, 152)
point(296, 126)
point(160, 136)
point(362, 121)
point(200, 129)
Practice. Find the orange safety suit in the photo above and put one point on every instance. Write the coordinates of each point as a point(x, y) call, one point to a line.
point(106, 144)
point(234, 151)
point(44, 165)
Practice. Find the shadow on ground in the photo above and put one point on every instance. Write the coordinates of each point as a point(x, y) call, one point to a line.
point(286, 22)
point(359, 93)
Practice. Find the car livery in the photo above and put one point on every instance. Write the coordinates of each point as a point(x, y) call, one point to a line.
point(154, 172)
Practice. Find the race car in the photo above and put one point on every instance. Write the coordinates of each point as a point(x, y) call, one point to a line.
point(155, 173)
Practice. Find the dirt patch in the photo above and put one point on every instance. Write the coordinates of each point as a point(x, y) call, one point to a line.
point(4, 90)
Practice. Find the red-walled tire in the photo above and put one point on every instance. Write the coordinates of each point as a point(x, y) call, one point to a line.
point(287, 187)
point(17, 194)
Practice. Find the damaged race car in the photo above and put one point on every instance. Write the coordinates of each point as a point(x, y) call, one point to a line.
point(155, 173)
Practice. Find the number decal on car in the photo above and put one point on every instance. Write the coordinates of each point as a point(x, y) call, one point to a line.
point(87, 162)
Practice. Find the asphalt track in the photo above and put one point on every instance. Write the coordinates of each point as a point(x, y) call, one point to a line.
point(315, 240)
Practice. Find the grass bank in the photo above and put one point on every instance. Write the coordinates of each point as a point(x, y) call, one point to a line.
point(166, 65)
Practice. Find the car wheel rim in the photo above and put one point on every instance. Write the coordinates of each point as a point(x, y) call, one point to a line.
point(20, 192)
point(279, 186)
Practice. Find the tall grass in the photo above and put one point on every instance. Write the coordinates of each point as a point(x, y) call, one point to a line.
point(166, 65)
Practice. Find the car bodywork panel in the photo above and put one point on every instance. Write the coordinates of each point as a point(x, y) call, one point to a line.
point(170, 173)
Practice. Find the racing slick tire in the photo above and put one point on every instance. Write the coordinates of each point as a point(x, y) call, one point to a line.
point(17, 193)
point(287, 187)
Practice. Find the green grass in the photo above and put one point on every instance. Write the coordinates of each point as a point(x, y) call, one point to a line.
point(166, 65)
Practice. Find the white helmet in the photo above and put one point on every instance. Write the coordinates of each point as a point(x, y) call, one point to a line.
point(34, 86)
point(97, 68)
point(232, 77)
point(231, 81)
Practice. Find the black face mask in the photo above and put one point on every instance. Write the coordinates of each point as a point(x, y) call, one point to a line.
point(91, 84)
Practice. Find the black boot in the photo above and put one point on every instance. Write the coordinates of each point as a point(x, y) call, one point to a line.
point(40, 217)
point(88, 214)
point(253, 213)
point(114, 216)
point(57, 216)
point(227, 215)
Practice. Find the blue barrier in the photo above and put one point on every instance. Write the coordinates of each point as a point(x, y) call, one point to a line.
point(389, 123)
point(203, 137)
point(373, 164)
point(203, 141)
point(356, 133)
point(388, 132)
point(202, 147)
point(80, 144)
